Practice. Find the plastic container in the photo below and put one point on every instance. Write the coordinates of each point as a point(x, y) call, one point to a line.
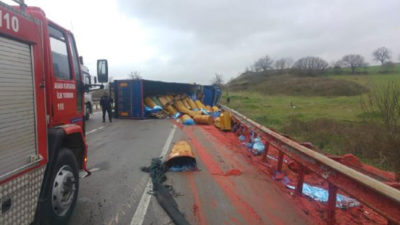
point(203, 119)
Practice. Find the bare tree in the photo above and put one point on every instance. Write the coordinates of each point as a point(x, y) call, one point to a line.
point(337, 66)
point(263, 64)
point(382, 55)
point(310, 66)
point(353, 62)
point(283, 63)
point(218, 80)
point(135, 75)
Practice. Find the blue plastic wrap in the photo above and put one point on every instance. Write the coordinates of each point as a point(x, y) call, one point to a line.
point(215, 114)
point(204, 112)
point(322, 195)
point(242, 138)
point(258, 146)
point(189, 122)
point(182, 168)
point(155, 109)
point(176, 115)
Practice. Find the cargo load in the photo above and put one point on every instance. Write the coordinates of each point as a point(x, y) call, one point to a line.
point(140, 99)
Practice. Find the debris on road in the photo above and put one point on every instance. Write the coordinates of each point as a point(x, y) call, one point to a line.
point(157, 171)
point(322, 195)
point(181, 158)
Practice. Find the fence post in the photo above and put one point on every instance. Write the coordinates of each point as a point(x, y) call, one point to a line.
point(331, 204)
point(265, 153)
point(280, 161)
point(300, 180)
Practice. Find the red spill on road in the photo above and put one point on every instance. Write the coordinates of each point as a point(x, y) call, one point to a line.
point(315, 210)
point(233, 172)
point(227, 186)
point(197, 206)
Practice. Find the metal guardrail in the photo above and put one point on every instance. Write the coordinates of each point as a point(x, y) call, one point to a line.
point(380, 197)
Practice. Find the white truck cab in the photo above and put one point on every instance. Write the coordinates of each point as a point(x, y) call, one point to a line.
point(88, 95)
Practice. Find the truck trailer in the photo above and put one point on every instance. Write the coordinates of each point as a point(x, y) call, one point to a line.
point(130, 94)
point(42, 118)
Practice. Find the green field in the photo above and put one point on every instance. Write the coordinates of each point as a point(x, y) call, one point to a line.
point(280, 111)
point(276, 110)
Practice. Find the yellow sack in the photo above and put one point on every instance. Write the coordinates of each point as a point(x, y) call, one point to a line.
point(181, 153)
point(149, 102)
point(226, 120)
point(171, 110)
point(186, 103)
point(203, 119)
point(163, 100)
point(200, 105)
point(217, 122)
point(215, 109)
point(181, 107)
point(192, 104)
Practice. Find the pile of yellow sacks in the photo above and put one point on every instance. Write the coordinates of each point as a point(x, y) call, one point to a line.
point(189, 109)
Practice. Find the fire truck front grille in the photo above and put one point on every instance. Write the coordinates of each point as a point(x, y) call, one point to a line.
point(17, 106)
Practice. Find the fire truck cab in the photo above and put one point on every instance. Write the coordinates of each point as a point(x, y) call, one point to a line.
point(42, 124)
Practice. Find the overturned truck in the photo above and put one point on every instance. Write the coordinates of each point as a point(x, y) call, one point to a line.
point(139, 99)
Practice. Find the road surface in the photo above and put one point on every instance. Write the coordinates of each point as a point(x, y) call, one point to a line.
point(225, 189)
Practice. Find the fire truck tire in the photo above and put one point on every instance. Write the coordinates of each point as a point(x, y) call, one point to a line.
point(64, 186)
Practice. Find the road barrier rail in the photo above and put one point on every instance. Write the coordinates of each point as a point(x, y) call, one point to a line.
point(380, 197)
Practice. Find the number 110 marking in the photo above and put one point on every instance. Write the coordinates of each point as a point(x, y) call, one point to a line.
point(12, 24)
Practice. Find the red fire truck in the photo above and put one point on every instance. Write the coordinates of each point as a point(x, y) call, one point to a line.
point(42, 128)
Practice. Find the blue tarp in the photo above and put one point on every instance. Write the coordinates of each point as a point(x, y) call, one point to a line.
point(322, 195)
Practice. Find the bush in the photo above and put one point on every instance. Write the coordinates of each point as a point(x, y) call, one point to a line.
point(385, 101)
point(388, 67)
point(371, 142)
point(310, 66)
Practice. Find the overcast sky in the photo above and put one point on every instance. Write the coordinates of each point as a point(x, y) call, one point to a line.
point(190, 41)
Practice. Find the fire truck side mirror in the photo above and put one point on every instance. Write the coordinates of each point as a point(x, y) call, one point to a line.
point(102, 70)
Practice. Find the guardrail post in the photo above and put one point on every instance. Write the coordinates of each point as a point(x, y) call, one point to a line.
point(300, 180)
point(238, 130)
point(265, 153)
point(331, 204)
point(248, 135)
point(280, 161)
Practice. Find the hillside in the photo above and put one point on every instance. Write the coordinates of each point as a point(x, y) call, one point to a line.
point(296, 86)
point(328, 84)
point(324, 110)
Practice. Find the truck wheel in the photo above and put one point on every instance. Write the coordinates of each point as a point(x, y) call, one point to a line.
point(64, 186)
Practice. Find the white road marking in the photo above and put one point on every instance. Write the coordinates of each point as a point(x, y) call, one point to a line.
point(141, 210)
point(94, 130)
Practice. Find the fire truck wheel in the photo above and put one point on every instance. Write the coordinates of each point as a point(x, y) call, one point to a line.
point(64, 188)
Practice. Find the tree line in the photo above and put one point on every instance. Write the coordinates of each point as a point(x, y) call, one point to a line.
point(314, 66)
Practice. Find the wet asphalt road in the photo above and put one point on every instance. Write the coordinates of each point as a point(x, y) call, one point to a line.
point(116, 152)
point(117, 191)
